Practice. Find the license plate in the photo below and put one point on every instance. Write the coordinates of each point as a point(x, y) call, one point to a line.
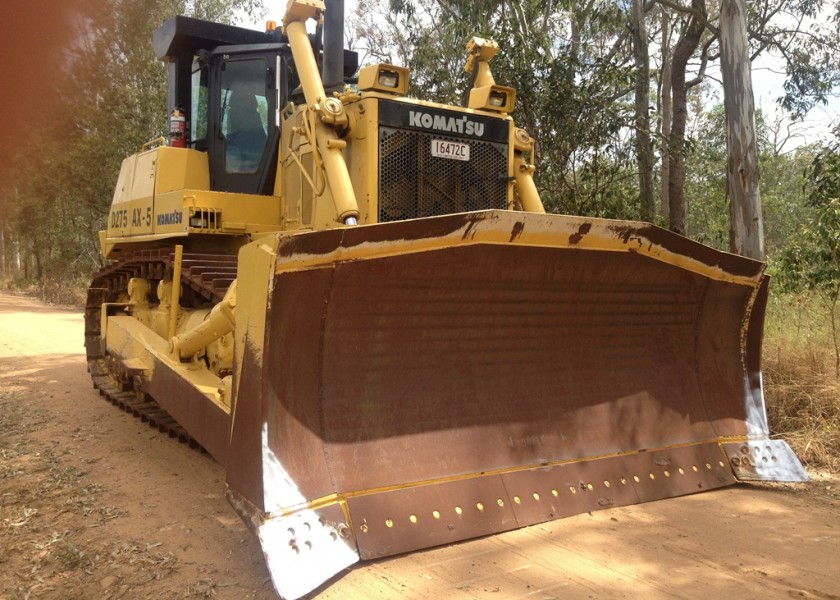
point(453, 150)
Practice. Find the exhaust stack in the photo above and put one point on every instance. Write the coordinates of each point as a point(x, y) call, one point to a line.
point(332, 66)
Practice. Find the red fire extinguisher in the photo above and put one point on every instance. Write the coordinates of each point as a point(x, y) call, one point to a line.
point(177, 129)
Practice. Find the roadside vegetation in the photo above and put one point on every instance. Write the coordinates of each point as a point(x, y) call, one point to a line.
point(577, 71)
point(801, 386)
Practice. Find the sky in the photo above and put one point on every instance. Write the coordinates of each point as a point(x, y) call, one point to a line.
point(768, 80)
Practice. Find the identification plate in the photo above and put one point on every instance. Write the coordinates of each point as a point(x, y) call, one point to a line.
point(453, 150)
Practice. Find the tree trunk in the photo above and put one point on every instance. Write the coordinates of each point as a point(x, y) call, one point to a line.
point(834, 336)
point(682, 53)
point(665, 117)
point(644, 149)
point(2, 251)
point(746, 227)
point(15, 253)
point(575, 30)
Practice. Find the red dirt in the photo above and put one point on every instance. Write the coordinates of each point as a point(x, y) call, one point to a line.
point(95, 504)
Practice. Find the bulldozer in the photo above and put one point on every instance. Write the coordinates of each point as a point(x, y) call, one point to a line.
point(356, 303)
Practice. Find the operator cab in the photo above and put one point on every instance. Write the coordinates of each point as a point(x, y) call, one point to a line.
point(231, 83)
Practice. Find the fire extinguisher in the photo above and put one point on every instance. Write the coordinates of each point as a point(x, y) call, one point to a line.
point(177, 129)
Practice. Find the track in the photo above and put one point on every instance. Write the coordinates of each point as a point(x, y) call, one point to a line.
point(204, 278)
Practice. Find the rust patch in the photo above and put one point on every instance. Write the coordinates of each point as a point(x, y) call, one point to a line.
point(575, 239)
point(469, 231)
point(624, 233)
point(517, 230)
point(315, 242)
point(415, 229)
point(731, 263)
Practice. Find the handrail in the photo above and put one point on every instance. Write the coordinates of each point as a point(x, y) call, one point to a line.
point(161, 141)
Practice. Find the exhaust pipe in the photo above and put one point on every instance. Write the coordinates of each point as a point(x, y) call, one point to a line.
point(332, 71)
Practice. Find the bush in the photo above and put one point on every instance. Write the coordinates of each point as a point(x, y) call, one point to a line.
point(802, 391)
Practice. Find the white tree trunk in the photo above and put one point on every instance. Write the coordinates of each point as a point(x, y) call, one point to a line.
point(15, 253)
point(746, 223)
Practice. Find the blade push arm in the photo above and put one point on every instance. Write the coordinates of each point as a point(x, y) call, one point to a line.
point(331, 117)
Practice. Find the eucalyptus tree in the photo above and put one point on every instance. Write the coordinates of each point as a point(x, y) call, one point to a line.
point(802, 35)
point(784, 186)
point(644, 145)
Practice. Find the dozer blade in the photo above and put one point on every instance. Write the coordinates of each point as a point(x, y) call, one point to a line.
point(412, 384)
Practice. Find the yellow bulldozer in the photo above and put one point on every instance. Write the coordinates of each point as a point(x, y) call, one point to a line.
point(355, 302)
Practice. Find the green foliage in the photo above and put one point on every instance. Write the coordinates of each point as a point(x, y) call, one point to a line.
point(107, 101)
point(811, 261)
point(707, 209)
point(803, 35)
point(813, 258)
point(572, 80)
point(783, 186)
point(824, 172)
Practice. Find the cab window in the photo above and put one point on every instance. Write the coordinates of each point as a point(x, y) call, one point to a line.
point(244, 114)
point(198, 107)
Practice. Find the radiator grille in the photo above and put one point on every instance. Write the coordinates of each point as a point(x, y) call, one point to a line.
point(413, 183)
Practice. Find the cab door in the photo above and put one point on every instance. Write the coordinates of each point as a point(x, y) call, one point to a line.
point(244, 131)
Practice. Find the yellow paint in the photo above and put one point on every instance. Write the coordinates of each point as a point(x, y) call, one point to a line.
point(546, 231)
point(369, 79)
point(331, 117)
point(175, 301)
point(328, 169)
point(321, 178)
point(171, 211)
point(145, 176)
point(128, 338)
point(160, 190)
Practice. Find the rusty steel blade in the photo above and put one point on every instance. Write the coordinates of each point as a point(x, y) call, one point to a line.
point(451, 377)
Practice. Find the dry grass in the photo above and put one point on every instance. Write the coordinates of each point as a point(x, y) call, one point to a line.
point(58, 292)
point(802, 389)
point(63, 293)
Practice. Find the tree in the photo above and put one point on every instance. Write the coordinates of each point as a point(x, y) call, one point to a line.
point(784, 187)
point(746, 223)
point(644, 146)
point(107, 101)
point(804, 36)
point(683, 51)
point(812, 259)
point(798, 33)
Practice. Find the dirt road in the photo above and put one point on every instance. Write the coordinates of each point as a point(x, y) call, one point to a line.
point(95, 504)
